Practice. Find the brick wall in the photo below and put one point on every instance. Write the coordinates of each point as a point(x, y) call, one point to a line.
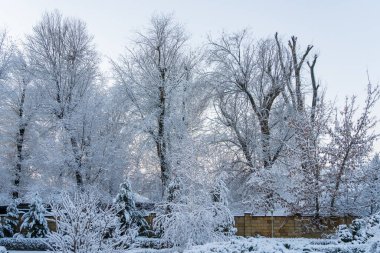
point(288, 226)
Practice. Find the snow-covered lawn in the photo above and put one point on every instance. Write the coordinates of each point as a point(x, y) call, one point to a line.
point(263, 245)
point(10, 251)
point(268, 245)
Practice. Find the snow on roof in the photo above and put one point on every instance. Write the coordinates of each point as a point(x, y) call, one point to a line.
point(140, 198)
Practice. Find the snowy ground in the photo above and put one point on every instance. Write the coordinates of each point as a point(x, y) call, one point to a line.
point(268, 245)
point(261, 245)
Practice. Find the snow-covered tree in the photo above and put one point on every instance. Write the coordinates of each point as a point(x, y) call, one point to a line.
point(63, 62)
point(130, 218)
point(7, 53)
point(34, 221)
point(351, 143)
point(152, 72)
point(263, 118)
point(11, 220)
point(307, 161)
point(249, 79)
point(18, 106)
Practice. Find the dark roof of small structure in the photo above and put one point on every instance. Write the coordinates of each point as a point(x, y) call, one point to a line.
point(24, 207)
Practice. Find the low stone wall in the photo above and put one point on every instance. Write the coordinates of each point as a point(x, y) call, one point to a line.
point(288, 226)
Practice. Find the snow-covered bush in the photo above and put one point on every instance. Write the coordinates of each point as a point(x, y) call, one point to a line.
point(3, 249)
point(374, 247)
point(344, 233)
point(129, 217)
point(25, 244)
point(34, 221)
point(364, 230)
point(187, 224)
point(374, 231)
point(151, 243)
point(11, 220)
point(83, 224)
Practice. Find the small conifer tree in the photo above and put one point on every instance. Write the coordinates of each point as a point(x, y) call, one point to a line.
point(128, 215)
point(11, 220)
point(34, 221)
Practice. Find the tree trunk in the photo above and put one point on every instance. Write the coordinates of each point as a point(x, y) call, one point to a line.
point(312, 120)
point(317, 176)
point(78, 162)
point(265, 145)
point(263, 117)
point(161, 143)
point(337, 182)
point(19, 144)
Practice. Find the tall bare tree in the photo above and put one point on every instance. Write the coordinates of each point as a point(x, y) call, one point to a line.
point(64, 64)
point(16, 107)
point(152, 71)
point(308, 121)
point(253, 70)
point(24, 112)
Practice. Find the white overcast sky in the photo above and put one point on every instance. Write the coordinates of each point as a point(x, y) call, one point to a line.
point(345, 33)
